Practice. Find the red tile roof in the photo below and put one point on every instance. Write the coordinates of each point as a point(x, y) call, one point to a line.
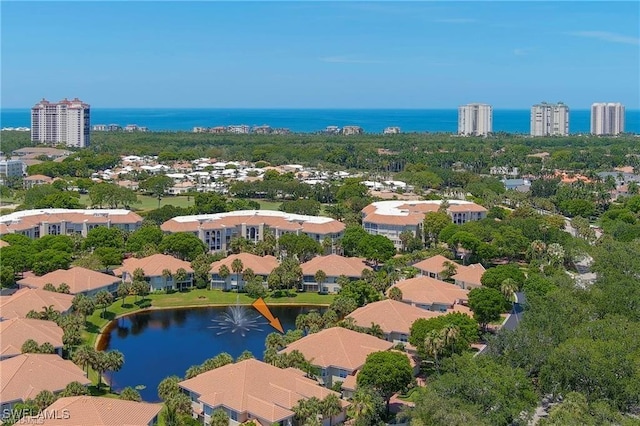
point(338, 347)
point(26, 299)
point(392, 316)
point(24, 376)
point(98, 411)
point(16, 331)
point(427, 291)
point(335, 265)
point(261, 265)
point(254, 387)
point(153, 265)
point(78, 279)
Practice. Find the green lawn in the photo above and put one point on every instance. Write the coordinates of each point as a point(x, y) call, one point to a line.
point(149, 203)
point(268, 205)
point(196, 297)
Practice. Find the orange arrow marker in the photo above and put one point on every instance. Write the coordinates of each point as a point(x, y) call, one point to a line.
point(265, 312)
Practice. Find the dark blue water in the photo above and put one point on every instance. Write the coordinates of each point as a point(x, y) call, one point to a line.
point(158, 344)
point(313, 120)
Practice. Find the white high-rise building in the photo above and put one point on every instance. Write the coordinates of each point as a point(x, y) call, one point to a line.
point(66, 122)
point(607, 118)
point(475, 119)
point(550, 120)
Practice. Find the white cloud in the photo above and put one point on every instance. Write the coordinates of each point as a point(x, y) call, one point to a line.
point(607, 36)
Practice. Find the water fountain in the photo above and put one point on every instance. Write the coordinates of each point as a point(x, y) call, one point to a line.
point(237, 318)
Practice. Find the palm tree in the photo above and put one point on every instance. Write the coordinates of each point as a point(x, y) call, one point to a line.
point(224, 272)
point(509, 287)
point(114, 360)
point(376, 330)
point(362, 405)
point(450, 333)
point(237, 267)
point(83, 356)
point(450, 269)
point(167, 275)
point(64, 288)
point(433, 344)
point(320, 277)
point(181, 276)
point(395, 294)
point(330, 406)
point(123, 291)
point(49, 287)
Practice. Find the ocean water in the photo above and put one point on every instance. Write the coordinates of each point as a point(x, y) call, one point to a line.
point(313, 120)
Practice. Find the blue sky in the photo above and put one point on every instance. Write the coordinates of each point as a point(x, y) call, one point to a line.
point(321, 54)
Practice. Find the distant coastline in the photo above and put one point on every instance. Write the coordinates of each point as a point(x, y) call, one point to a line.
point(314, 120)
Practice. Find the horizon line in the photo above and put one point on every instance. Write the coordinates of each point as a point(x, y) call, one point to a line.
point(318, 108)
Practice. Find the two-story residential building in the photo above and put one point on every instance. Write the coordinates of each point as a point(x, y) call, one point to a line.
point(97, 411)
point(391, 218)
point(253, 390)
point(394, 318)
point(431, 294)
point(24, 300)
point(334, 266)
point(22, 377)
point(217, 230)
point(337, 352)
point(33, 180)
point(160, 271)
point(80, 281)
point(16, 331)
point(464, 276)
point(40, 222)
point(469, 277)
point(260, 265)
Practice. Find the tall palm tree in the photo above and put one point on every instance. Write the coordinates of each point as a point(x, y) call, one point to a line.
point(330, 406)
point(237, 266)
point(450, 333)
point(433, 345)
point(320, 277)
point(167, 275)
point(223, 273)
point(114, 360)
point(362, 405)
point(509, 287)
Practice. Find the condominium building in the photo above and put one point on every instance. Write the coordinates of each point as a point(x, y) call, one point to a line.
point(550, 119)
point(66, 122)
point(11, 168)
point(40, 222)
point(391, 218)
point(217, 230)
point(475, 120)
point(607, 118)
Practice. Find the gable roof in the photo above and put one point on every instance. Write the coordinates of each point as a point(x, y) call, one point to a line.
point(26, 299)
point(399, 212)
point(435, 264)
point(26, 375)
point(255, 387)
point(100, 411)
point(153, 265)
point(16, 331)
point(261, 265)
point(338, 347)
point(427, 291)
point(470, 274)
point(78, 279)
point(335, 265)
point(391, 315)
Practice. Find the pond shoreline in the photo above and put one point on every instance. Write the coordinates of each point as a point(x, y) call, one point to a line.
point(99, 340)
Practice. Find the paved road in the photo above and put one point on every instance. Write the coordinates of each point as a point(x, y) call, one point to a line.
point(516, 315)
